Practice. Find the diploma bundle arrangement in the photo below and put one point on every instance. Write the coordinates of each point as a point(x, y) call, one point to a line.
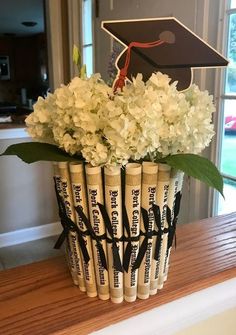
point(119, 215)
point(119, 226)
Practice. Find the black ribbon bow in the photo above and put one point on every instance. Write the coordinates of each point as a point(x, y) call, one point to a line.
point(68, 225)
point(172, 223)
point(160, 230)
point(147, 235)
point(128, 249)
point(93, 236)
point(171, 228)
point(115, 249)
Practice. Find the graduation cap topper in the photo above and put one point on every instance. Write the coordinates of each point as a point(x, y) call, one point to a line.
point(160, 44)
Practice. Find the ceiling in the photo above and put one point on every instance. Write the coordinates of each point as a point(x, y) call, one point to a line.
point(13, 12)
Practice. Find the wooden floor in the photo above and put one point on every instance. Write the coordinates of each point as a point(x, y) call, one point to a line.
point(29, 252)
point(40, 299)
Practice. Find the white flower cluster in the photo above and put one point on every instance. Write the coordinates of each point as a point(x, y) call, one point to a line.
point(152, 118)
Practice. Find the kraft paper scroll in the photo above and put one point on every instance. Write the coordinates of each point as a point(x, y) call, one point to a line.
point(80, 199)
point(157, 267)
point(74, 251)
point(133, 208)
point(148, 198)
point(95, 196)
point(176, 184)
point(113, 197)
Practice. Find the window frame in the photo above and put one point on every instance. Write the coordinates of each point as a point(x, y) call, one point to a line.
point(224, 96)
point(92, 44)
point(220, 97)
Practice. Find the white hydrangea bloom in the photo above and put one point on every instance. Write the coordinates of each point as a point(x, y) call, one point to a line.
point(191, 131)
point(39, 122)
point(151, 118)
point(199, 121)
point(71, 117)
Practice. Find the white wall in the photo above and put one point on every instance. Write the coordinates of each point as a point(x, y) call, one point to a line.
point(26, 192)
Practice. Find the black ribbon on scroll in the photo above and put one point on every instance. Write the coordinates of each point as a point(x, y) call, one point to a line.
point(115, 250)
point(160, 231)
point(93, 236)
point(128, 249)
point(68, 225)
point(147, 235)
point(172, 223)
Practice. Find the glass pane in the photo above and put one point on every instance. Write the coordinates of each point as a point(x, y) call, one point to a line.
point(87, 22)
point(233, 4)
point(230, 86)
point(228, 156)
point(227, 205)
point(88, 59)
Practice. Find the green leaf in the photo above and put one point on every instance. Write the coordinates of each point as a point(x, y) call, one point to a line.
point(31, 152)
point(83, 72)
point(78, 62)
point(76, 56)
point(197, 167)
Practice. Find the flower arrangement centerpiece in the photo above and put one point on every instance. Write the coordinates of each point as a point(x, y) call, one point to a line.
point(119, 158)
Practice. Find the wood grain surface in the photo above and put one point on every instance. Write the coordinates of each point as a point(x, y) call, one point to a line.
point(40, 298)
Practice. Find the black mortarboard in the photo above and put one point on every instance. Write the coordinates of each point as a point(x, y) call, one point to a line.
point(163, 44)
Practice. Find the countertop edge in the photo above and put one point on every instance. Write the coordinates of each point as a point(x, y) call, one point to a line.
point(193, 308)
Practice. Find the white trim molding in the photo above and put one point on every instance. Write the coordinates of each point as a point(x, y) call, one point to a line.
point(198, 194)
point(29, 234)
point(216, 152)
point(74, 28)
point(6, 134)
point(54, 41)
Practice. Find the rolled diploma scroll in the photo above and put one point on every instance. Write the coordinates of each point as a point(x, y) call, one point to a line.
point(72, 237)
point(69, 256)
point(133, 208)
point(80, 199)
point(163, 181)
point(148, 198)
point(113, 196)
point(176, 184)
point(95, 195)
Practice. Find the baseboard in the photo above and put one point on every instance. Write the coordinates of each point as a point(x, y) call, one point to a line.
point(29, 234)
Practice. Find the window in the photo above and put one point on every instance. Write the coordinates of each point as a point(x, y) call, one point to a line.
point(87, 35)
point(228, 145)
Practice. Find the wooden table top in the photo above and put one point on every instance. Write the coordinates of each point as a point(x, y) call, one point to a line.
point(40, 299)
